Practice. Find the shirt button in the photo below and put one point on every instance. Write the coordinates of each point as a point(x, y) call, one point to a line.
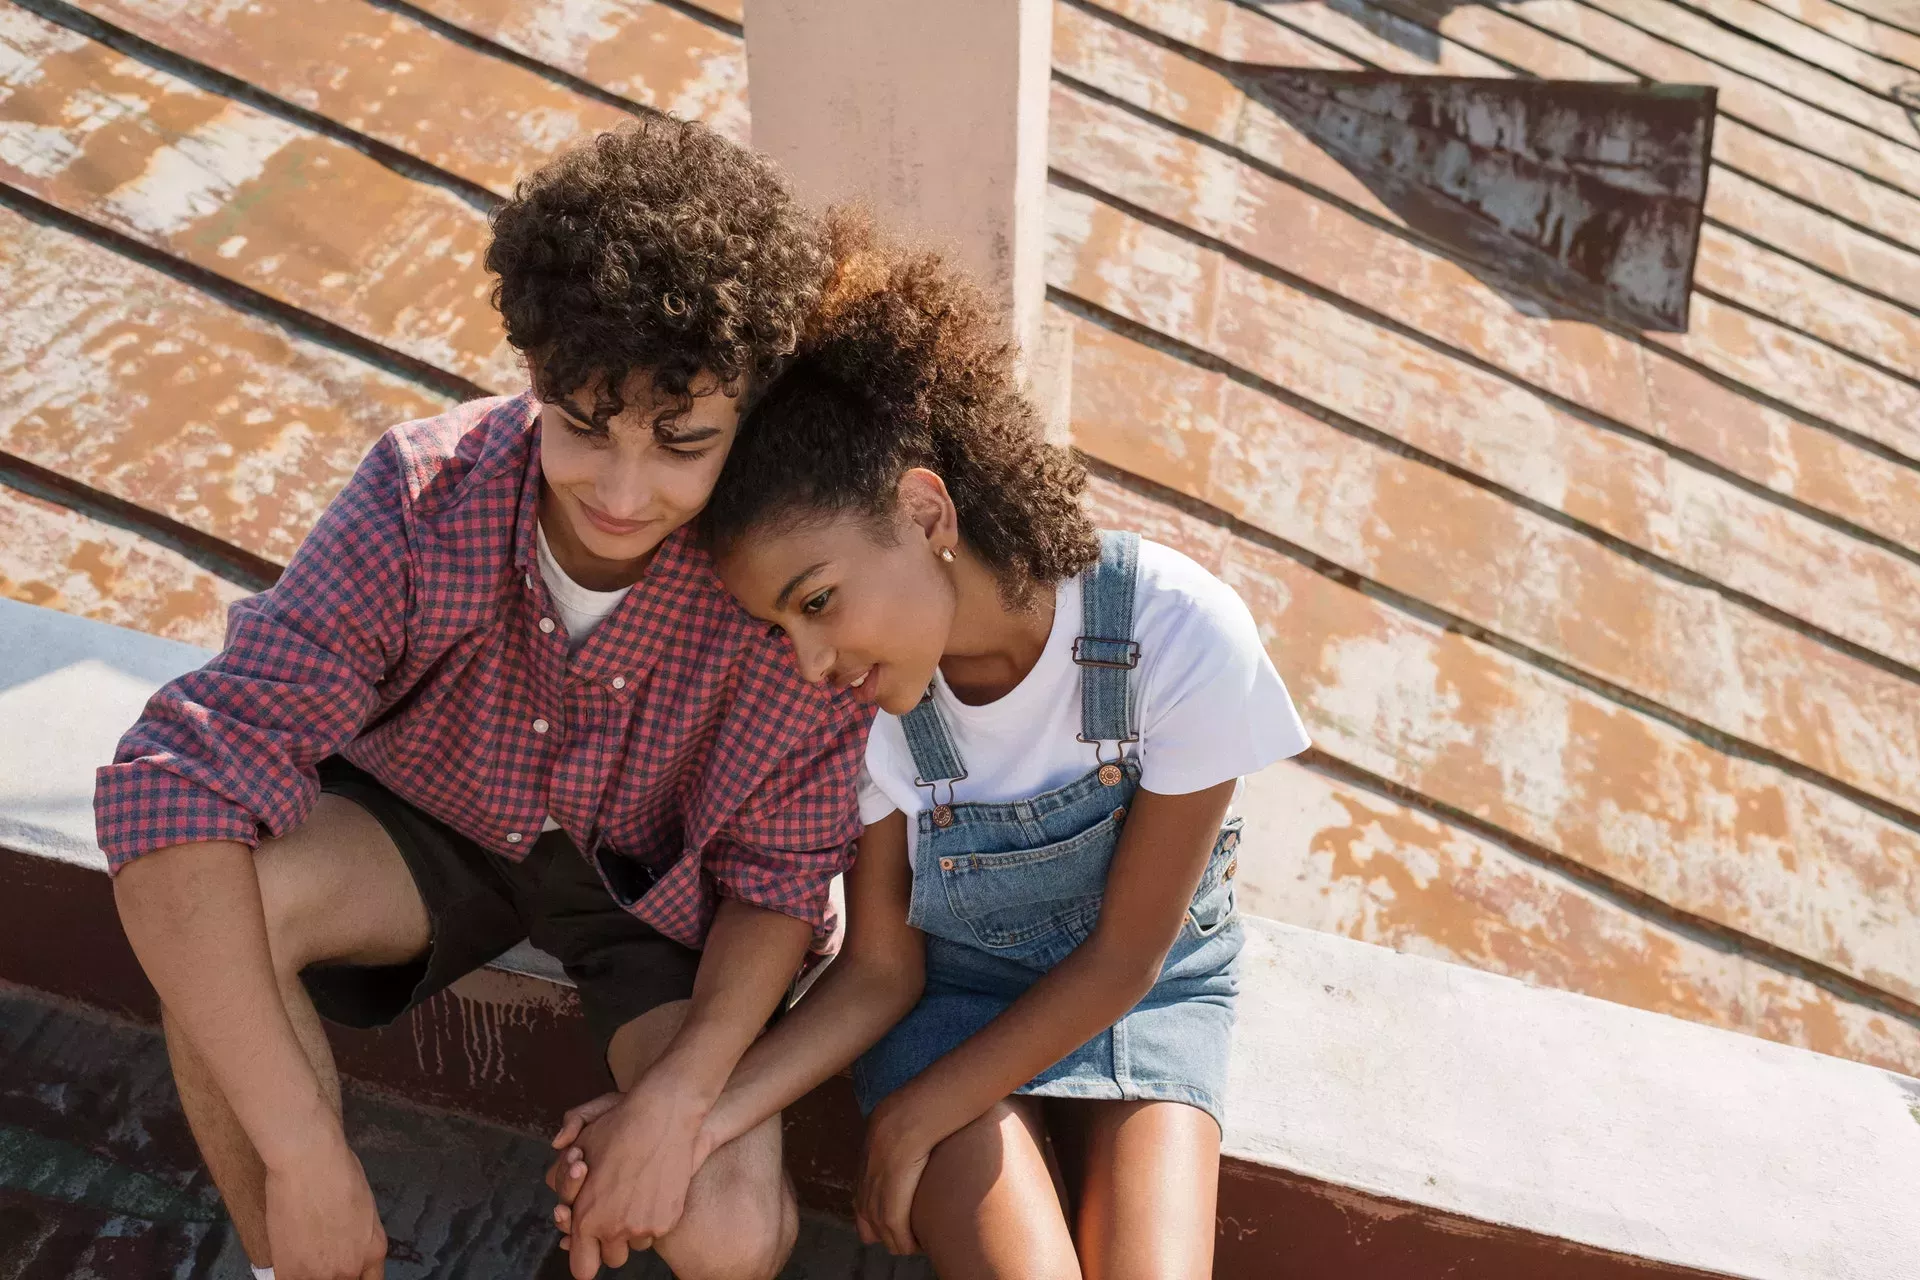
point(619, 682)
point(529, 582)
point(540, 726)
point(546, 625)
point(513, 837)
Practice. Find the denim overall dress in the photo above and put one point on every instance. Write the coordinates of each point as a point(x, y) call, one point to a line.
point(1004, 892)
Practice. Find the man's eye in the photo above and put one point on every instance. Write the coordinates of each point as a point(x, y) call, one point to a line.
point(818, 602)
point(688, 455)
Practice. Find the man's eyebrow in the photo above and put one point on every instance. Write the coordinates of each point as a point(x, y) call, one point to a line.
point(688, 437)
point(780, 601)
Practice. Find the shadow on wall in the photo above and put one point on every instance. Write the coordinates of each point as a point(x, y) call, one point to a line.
point(1573, 199)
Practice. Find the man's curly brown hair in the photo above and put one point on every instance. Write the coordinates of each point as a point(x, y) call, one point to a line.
point(658, 248)
point(907, 364)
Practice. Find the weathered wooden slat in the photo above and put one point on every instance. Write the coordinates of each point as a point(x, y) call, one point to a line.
point(1811, 175)
point(380, 74)
point(1855, 27)
point(1229, 30)
point(1447, 543)
point(1753, 275)
point(1743, 97)
point(1812, 236)
point(1326, 855)
point(645, 52)
point(1788, 75)
point(142, 387)
point(1222, 198)
point(1717, 837)
point(1389, 42)
point(1864, 68)
point(1803, 299)
point(60, 559)
point(231, 190)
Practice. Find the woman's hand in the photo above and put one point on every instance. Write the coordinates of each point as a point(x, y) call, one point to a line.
point(896, 1157)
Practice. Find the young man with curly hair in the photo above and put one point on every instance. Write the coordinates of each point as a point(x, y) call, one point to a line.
point(500, 693)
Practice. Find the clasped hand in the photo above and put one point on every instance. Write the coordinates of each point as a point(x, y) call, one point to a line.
point(624, 1164)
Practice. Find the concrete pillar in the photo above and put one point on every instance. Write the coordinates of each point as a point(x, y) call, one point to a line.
point(934, 112)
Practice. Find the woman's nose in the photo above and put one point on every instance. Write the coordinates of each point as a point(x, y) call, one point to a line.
point(814, 661)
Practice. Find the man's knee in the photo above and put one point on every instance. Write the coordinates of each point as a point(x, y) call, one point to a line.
point(740, 1233)
point(336, 889)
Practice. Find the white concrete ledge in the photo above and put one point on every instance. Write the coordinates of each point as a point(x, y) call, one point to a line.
point(1546, 1113)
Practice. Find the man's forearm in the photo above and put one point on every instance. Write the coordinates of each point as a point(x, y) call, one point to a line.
point(193, 916)
point(750, 959)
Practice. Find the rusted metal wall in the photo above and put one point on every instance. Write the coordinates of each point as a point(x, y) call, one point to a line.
point(1607, 637)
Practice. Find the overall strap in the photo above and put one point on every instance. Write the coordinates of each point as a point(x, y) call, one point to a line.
point(1106, 650)
point(934, 757)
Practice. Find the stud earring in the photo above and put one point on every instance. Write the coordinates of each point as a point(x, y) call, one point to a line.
point(946, 554)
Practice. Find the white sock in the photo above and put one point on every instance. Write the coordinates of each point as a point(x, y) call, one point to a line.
point(262, 1273)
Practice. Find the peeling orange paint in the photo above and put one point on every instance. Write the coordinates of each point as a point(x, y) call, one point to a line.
point(59, 559)
point(643, 51)
point(299, 217)
point(140, 386)
point(380, 74)
point(1594, 782)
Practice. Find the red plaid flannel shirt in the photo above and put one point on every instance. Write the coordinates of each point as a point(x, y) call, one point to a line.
point(409, 634)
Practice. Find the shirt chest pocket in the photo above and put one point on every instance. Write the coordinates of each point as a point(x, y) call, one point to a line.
point(1033, 905)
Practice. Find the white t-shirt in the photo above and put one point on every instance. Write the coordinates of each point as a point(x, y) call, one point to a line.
point(1209, 705)
point(580, 609)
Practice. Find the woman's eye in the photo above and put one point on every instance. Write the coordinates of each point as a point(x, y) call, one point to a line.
point(818, 602)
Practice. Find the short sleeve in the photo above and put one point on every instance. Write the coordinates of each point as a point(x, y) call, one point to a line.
point(875, 804)
point(1212, 706)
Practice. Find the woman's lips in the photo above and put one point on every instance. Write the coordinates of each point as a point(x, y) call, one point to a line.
point(864, 687)
point(607, 524)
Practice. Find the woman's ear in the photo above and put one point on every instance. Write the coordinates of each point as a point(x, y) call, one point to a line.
point(924, 503)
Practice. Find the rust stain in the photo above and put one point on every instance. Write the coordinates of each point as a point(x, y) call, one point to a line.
point(59, 559)
point(1811, 174)
point(1752, 101)
point(645, 52)
point(380, 74)
point(298, 217)
point(1583, 195)
point(143, 387)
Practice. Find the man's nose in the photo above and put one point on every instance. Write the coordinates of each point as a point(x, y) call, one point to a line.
point(624, 490)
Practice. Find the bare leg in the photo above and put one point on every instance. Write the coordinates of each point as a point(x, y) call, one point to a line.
point(1147, 1176)
point(334, 890)
point(741, 1219)
point(987, 1207)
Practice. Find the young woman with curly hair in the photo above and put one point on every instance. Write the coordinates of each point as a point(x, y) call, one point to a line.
point(1041, 936)
point(500, 692)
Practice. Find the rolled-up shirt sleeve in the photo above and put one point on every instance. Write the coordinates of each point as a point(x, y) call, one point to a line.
point(227, 752)
point(783, 848)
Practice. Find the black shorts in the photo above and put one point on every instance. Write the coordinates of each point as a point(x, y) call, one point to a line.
point(479, 905)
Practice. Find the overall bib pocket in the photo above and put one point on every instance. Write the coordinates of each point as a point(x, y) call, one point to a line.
point(1033, 905)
